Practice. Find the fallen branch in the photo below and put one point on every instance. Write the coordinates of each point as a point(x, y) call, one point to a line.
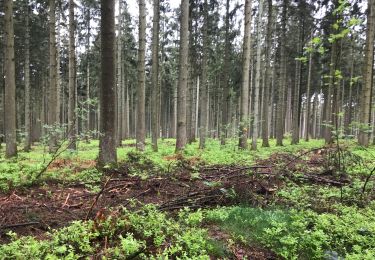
point(367, 180)
point(97, 197)
point(19, 225)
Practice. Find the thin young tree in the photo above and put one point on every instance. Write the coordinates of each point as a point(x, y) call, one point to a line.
point(52, 98)
point(155, 97)
point(10, 83)
point(283, 80)
point(368, 70)
point(308, 97)
point(257, 77)
point(27, 81)
point(244, 111)
point(204, 93)
point(107, 143)
point(226, 97)
point(297, 85)
point(119, 77)
point(267, 73)
point(72, 80)
point(182, 76)
point(141, 114)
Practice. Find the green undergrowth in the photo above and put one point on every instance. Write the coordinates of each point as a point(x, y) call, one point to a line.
point(147, 234)
point(23, 170)
point(347, 233)
point(303, 220)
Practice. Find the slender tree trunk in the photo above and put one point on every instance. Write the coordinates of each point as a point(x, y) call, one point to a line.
point(204, 96)
point(27, 83)
point(267, 76)
point(107, 143)
point(244, 114)
point(141, 99)
point(183, 76)
point(10, 83)
point(119, 85)
point(58, 78)
point(368, 70)
point(174, 111)
point(308, 99)
point(43, 107)
point(226, 97)
point(155, 96)
point(52, 115)
point(88, 87)
point(72, 80)
point(329, 110)
point(296, 104)
point(257, 78)
point(283, 80)
point(189, 96)
point(2, 113)
point(197, 106)
point(349, 112)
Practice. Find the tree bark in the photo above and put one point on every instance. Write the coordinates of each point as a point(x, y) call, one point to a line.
point(10, 83)
point(27, 83)
point(155, 96)
point(267, 73)
point(280, 115)
point(244, 114)
point(72, 81)
point(141, 114)
point(107, 143)
point(183, 76)
point(225, 86)
point(257, 78)
point(368, 69)
point(296, 104)
point(119, 85)
point(308, 99)
point(52, 99)
point(203, 96)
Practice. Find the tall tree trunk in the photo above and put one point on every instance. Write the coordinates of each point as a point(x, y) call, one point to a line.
point(52, 99)
point(10, 82)
point(58, 78)
point(226, 97)
point(308, 99)
point(296, 104)
point(267, 76)
point(27, 83)
point(155, 96)
point(244, 114)
point(204, 96)
point(349, 112)
point(174, 111)
point(368, 69)
point(141, 114)
point(257, 78)
point(328, 106)
point(283, 80)
point(88, 87)
point(2, 113)
point(119, 85)
point(182, 76)
point(107, 143)
point(72, 81)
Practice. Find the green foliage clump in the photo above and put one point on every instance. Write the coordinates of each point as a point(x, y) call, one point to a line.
point(148, 234)
point(302, 234)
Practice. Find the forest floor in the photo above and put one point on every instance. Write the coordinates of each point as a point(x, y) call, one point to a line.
point(307, 201)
